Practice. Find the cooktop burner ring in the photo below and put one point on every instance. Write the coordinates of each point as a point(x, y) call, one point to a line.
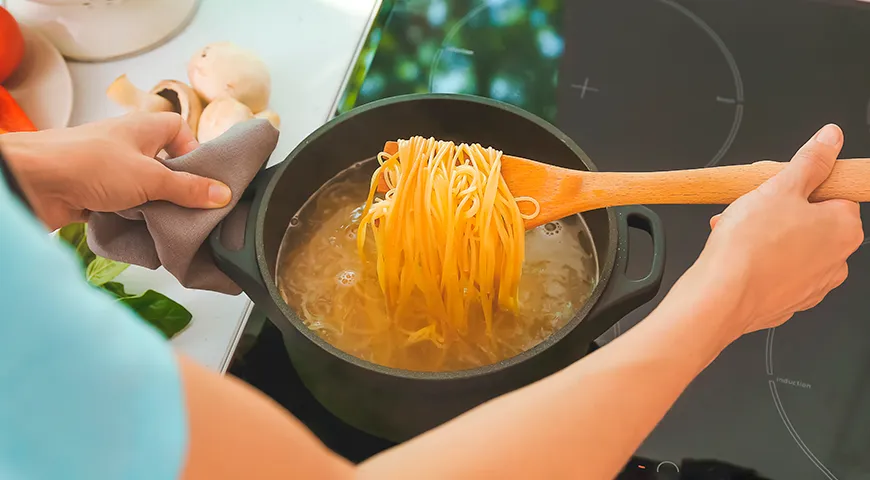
point(868, 114)
point(445, 47)
point(780, 409)
point(521, 68)
point(648, 77)
point(735, 72)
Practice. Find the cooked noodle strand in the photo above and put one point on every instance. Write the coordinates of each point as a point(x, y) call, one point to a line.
point(449, 229)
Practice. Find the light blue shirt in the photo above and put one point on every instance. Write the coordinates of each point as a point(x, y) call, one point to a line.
point(87, 390)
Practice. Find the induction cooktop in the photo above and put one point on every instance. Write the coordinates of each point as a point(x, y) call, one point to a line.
point(655, 85)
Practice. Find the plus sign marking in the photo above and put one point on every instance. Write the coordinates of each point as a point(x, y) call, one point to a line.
point(584, 87)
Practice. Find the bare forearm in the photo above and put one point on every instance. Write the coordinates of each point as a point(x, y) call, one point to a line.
point(587, 420)
point(237, 432)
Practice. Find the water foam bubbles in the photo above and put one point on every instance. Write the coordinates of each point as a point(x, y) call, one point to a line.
point(553, 228)
point(346, 278)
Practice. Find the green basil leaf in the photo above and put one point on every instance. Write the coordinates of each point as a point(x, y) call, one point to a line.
point(76, 235)
point(72, 233)
point(116, 289)
point(157, 309)
point(103, 270)
point(160, 311)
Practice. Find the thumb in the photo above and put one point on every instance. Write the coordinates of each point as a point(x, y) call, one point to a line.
point(812, 164)
point(155, 131)
point(191, 191)
point(714, 221)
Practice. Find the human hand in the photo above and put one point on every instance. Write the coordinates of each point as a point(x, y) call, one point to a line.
point(781, 253)
point(107, 166)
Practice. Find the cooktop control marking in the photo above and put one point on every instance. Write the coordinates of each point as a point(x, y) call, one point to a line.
point(584, 88)
point(668, 466)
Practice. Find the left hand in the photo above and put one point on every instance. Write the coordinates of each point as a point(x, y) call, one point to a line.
point(107, 166)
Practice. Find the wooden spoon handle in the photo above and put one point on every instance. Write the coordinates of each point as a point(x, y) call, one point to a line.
point(849, 180)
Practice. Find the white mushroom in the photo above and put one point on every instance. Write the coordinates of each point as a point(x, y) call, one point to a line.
point(219, 116)
point(124, 93)
point(184, 100)
point(225, 70)
point(166, 96)
point(271, 116)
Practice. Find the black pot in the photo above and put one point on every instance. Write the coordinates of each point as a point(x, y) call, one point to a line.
point(398, 404)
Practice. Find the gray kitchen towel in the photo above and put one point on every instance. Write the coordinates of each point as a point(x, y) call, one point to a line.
point(161, 233)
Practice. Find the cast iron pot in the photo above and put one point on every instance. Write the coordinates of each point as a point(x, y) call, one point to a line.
point(398, 404)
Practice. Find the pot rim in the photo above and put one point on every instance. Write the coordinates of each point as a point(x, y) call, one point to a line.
point(605, 265)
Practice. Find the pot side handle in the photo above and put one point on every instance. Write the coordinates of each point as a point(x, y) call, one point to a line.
point(233, 243)
point(624, 294)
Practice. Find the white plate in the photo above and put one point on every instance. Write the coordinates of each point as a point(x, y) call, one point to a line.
point(42, 85)
point(104, 30)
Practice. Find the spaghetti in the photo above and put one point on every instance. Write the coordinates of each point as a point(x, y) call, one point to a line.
point(448, 228)
point(437, 274)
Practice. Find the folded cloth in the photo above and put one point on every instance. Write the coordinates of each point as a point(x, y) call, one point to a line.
point(164, 234)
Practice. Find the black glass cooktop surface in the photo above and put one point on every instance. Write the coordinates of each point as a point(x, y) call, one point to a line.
point(655, 85)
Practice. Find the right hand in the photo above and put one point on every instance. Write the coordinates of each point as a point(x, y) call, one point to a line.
point(783, 252)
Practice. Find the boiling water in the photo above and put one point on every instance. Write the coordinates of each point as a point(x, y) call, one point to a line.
point(337, 295)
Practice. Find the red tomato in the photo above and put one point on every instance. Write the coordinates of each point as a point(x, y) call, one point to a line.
point(11, 45)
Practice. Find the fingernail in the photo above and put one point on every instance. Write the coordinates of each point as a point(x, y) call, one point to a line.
point(219, 194)
point(830, 135)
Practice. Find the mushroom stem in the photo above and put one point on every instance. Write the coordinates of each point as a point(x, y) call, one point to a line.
point(271, 116)
point(124, 93)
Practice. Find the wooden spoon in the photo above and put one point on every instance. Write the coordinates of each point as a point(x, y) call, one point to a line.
point(562, 192)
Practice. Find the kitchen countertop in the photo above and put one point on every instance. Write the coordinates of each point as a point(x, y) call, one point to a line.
point(308, 46)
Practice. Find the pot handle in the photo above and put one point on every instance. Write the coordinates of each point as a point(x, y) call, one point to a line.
point(624, 294)
point(240, 264)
